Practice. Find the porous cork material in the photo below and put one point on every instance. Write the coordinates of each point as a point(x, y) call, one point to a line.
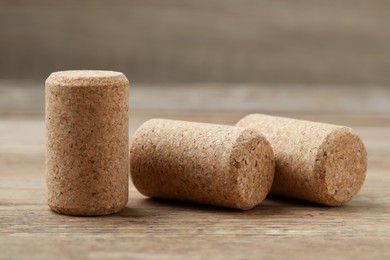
point(211, 164)
point(87, 163)
point(316, 162)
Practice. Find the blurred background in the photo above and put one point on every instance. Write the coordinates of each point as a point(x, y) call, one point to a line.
point(244, 41)
point(196, 59)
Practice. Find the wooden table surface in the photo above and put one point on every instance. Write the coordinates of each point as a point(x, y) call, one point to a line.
point(158, 229)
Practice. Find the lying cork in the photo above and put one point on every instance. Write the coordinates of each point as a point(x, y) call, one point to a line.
point(87, 163)
point(316, 162)
point(212, 164)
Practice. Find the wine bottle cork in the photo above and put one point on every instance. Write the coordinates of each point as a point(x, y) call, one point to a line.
point(211, 164)
point(87, 163)
point(316, 162)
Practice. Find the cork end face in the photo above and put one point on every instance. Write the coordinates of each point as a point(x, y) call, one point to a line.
point(341, 165)
point(252, 162)
point(79, 78)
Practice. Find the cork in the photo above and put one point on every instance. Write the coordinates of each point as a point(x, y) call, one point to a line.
point(87, 163)
point(212, 164)
point(316, 162)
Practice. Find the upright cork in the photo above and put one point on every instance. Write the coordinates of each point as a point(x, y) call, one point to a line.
point(87, 163)
point(212, 164)
point(316, 162)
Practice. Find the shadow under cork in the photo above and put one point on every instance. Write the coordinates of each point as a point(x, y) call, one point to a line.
point(290, 202)
point(269, 201)
point(187, 205)
point(126, 211)
point(267, 208)
point(271, 206)
point(130, 212)
point(184, 209)
point(358, 204)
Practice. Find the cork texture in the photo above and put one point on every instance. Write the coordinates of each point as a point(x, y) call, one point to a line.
point(87, 163)
point(211, 164)
point(316, 162)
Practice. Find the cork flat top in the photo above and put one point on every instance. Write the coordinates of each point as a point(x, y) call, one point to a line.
point(80, 78)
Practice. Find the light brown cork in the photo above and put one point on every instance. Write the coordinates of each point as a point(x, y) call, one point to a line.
point(87, 163)
point(316, 162)
point(211, 164)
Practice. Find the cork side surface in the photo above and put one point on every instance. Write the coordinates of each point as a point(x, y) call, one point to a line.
point(296, 144)
point(201, 163)
point(87, 162)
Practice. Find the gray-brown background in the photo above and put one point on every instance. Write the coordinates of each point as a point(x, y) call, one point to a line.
point(174, 41)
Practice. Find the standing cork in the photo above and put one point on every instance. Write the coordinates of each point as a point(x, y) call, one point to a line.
point(317, 162)
point(87, 163)
point(212, 164)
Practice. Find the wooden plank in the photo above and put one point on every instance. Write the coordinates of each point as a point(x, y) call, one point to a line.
point(149, 228)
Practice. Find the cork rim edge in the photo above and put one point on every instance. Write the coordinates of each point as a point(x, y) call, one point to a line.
point(84, 78)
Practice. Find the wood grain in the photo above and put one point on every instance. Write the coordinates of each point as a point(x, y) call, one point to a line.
point(158, 229)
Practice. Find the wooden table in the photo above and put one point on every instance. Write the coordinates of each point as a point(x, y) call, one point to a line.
point(158, 229)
